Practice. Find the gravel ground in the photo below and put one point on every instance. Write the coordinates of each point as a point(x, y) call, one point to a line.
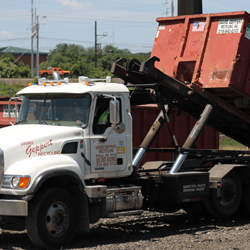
point(152, 231)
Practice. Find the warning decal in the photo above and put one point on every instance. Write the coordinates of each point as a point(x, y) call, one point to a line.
point(248, 31)
point(228, 26)
point(199, 26)
point(121, 150)
point(162, 27)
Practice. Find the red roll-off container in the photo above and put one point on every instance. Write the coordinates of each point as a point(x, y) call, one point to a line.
point(180, 124)
point(4, 115)
point(211, 51)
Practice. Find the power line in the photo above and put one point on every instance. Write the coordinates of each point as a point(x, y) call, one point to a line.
point(68, 40)
point(80, 41)
point(14, 39)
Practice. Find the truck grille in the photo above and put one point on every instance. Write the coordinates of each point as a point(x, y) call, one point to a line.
point(1, 165)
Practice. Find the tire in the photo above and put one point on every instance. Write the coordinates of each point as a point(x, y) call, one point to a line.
point(66, 75)
point(44, 75)
point(231, 193)
point(51, 222)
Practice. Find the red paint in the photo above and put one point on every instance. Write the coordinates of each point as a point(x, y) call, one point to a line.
point(38, 148)
point(4, 121)
point(49, 153)
point(198, 49)
point(181, 126)
point(26, 143)
point(26, 59)
point(100, 180)
point(106, 156)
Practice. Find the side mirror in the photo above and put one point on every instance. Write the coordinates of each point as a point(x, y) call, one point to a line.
point(114, 108)
point(15, 109)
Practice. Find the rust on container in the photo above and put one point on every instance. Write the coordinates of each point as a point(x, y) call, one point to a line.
point(209, 51)
point(219, 75)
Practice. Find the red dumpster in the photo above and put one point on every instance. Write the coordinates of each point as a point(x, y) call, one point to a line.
point(4, 115)
point(211, 51)
point(180, 124)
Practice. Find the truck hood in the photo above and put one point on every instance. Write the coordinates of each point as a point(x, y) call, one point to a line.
point(21, 142)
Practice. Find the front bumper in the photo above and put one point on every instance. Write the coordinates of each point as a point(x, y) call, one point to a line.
point(13, 208)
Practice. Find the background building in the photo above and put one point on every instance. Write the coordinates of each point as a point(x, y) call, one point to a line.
point(25, 55)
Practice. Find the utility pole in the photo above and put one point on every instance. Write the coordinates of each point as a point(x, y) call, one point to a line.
point(37, 48)
point(96, 44)
point(113, 36)
point(172, 7)
point(32, 56)
point(103, 35)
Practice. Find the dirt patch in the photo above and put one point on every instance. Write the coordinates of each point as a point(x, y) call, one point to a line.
point(152, 231)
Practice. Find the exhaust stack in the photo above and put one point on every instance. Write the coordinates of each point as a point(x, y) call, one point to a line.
point(189, 7)
point(56, 76)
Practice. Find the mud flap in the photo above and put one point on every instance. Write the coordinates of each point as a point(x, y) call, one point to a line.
point(83, 214)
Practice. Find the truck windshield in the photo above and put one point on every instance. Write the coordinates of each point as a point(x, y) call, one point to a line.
point(55, 109)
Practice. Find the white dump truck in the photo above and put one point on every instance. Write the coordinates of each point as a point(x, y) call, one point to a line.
point(68, 160)
point(61, 169)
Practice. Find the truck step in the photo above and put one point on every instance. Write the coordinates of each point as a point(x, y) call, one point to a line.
point(123, 213)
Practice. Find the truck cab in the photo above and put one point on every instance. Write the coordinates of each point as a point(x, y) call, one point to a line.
point(59, 148)
point(68, 113)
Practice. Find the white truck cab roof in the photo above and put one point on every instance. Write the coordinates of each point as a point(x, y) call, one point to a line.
point(84, 85)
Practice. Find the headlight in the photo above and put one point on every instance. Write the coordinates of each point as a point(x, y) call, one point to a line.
point(15, 181)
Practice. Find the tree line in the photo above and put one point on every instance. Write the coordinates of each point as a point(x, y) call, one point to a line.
point(79, 60)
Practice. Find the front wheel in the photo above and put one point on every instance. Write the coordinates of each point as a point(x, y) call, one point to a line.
point(51, 222)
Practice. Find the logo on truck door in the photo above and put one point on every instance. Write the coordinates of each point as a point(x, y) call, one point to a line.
point(106, 156)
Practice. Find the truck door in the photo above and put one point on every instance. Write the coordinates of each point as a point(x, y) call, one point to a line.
point(109, 155)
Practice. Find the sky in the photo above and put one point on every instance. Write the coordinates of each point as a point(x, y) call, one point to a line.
point(129, 24)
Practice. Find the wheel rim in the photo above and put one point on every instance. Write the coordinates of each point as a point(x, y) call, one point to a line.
point(57, 219)
point(228, 192)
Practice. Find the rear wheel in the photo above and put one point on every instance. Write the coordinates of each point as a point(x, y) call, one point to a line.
point(231, 193)
point(44, 75)
point(51, 222)
point(66, 75)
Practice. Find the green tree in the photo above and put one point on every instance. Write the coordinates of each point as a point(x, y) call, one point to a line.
point(10, 90)
point(81, 61)
point(9, 67)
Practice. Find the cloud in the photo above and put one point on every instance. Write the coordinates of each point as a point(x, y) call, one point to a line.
point(74, 4)
point(6, 35)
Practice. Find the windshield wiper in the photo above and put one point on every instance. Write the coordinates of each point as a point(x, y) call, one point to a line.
point(20, 122)
point(43, 121)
